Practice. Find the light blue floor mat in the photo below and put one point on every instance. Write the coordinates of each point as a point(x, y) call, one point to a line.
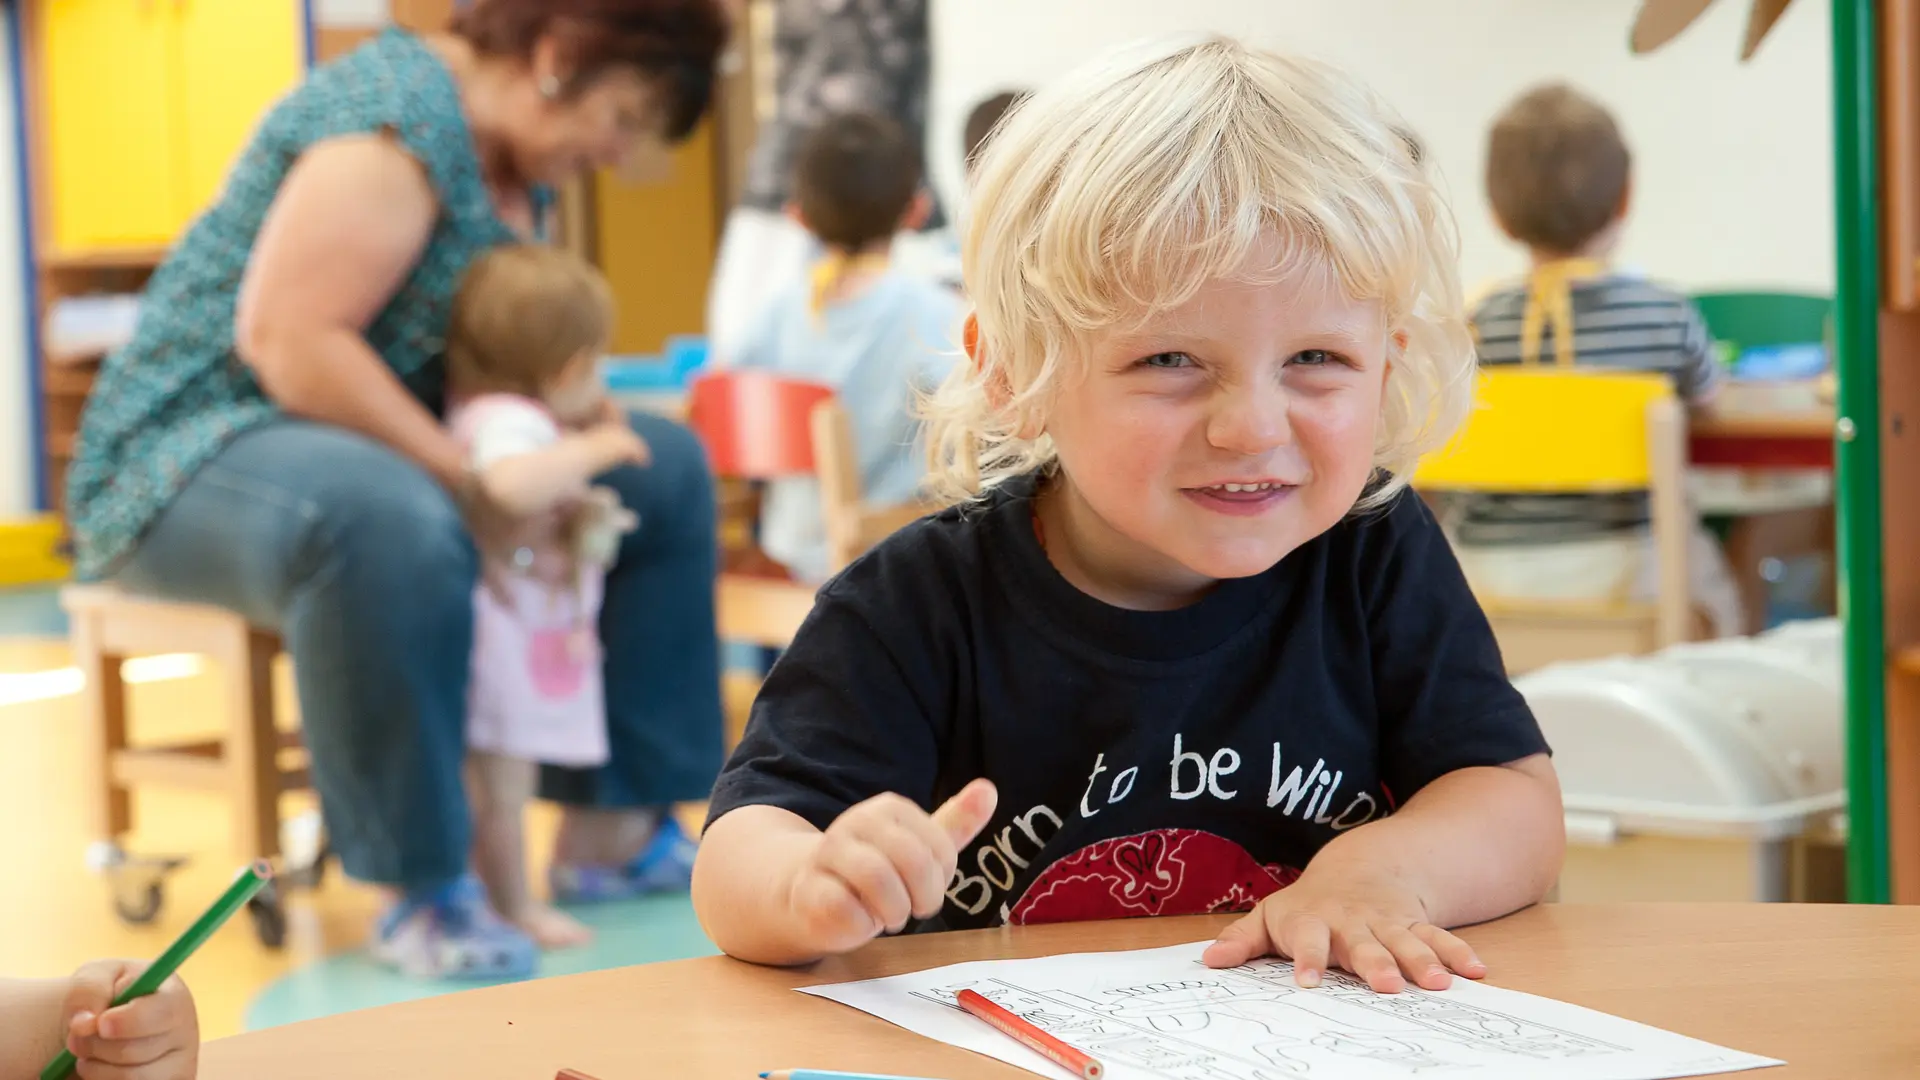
point(626, 933)
point(32, 611)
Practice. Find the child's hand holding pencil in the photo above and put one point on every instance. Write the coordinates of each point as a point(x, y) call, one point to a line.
point(156, 1037)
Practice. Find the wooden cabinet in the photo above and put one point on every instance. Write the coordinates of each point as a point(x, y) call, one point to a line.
point(237, 57)
point(107, 127)
point(656, 239)
point(135, 110)
point(141, 105)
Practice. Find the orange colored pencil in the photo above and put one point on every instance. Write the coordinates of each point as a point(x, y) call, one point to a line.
point(1073, 1059)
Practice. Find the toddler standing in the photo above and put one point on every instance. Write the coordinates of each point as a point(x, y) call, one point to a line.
point(529, 328)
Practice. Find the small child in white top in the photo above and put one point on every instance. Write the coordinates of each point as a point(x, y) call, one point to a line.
point(528, 330)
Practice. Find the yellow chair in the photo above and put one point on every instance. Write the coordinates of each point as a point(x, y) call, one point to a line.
point(1565, 431)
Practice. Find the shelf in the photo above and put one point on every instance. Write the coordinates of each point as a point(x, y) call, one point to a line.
point(135, 258)
point(58, 359)
point(70, 380)
point(1799, 424)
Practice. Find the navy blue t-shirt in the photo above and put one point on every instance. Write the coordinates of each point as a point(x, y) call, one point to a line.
point(1149, 763)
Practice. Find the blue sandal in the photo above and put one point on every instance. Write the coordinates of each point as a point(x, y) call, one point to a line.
point(664, 865)
point(452, 933)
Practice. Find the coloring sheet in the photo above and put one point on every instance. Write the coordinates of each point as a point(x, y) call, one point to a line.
point(1159, 1014)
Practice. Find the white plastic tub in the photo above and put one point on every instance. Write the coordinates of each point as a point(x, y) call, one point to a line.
point(1711, 771)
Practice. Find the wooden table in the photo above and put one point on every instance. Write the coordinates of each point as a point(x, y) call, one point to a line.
point(1773, 440)
point(1835, 991)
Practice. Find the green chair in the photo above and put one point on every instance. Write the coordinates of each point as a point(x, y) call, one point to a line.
point(1744, 320)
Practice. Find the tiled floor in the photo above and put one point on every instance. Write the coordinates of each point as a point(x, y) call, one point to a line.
point(55, 913)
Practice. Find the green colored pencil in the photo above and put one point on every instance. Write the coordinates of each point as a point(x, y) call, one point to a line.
point(251, 881)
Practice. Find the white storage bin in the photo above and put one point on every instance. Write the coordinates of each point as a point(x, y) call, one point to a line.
point(1711, 771)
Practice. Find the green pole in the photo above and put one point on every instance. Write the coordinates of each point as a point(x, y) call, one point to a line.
point(1856, 176)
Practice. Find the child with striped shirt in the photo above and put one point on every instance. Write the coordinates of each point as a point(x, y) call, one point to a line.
point(1558, 176)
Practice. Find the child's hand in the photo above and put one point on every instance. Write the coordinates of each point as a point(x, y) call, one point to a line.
point(881, 862)
point(619, 444)
point(1371, 925)
point(156, 1037)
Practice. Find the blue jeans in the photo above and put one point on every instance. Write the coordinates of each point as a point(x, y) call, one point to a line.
point(363, 565)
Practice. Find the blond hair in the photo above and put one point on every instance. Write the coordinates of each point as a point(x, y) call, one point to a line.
point(1130, 183)
point(523, 313)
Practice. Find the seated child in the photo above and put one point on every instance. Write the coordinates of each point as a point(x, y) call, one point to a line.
point(1558, 178)
point(156, 1037)
point(935, 253)
point(1188, 645)
point(523, 349)
point(855, 323)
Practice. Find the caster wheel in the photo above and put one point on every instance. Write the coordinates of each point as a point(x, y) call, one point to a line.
point(269, 919)
point(141, 906)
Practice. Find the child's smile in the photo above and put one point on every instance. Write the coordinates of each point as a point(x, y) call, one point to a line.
point(1246, 498)
point(1217, 436)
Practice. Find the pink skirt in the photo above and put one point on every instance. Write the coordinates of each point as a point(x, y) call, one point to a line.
point(536, 691)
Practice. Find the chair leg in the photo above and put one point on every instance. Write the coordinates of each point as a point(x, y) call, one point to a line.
point(252, 751)
point(103, 707)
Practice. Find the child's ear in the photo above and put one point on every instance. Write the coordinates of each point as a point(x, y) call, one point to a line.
point(999, 391)
point(918, 211)
point(1626, 200)
point(1399, 349)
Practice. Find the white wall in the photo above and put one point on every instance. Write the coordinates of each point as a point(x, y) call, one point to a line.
point(351, 12)
point(16, 414)
point(1734, 174)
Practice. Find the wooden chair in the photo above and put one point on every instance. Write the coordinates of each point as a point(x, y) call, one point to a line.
point(1576, 431)
point(107, 626)
point(853, 526)
point(757, 426)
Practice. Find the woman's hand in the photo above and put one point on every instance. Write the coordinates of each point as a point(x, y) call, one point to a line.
point(1366, 922)
point(156, 1037)
point(493, 528)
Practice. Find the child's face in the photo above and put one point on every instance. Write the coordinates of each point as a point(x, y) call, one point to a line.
point(1274, 385)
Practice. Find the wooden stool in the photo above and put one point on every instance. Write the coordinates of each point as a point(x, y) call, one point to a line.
point(107, 626)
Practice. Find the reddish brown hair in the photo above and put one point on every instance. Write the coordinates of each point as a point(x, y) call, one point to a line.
point(673, 43)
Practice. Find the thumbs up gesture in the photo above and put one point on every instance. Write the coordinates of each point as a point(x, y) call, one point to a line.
point(882, 862)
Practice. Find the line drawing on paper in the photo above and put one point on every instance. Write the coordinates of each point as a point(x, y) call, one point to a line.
point(1253, 1023)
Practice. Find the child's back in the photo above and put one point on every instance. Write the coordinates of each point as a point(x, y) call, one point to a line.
point(1558, 175)
point(877, 349)
point(875, 334)
point(1619, 322)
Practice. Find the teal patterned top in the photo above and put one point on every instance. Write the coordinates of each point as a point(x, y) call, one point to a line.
point(168, 401)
